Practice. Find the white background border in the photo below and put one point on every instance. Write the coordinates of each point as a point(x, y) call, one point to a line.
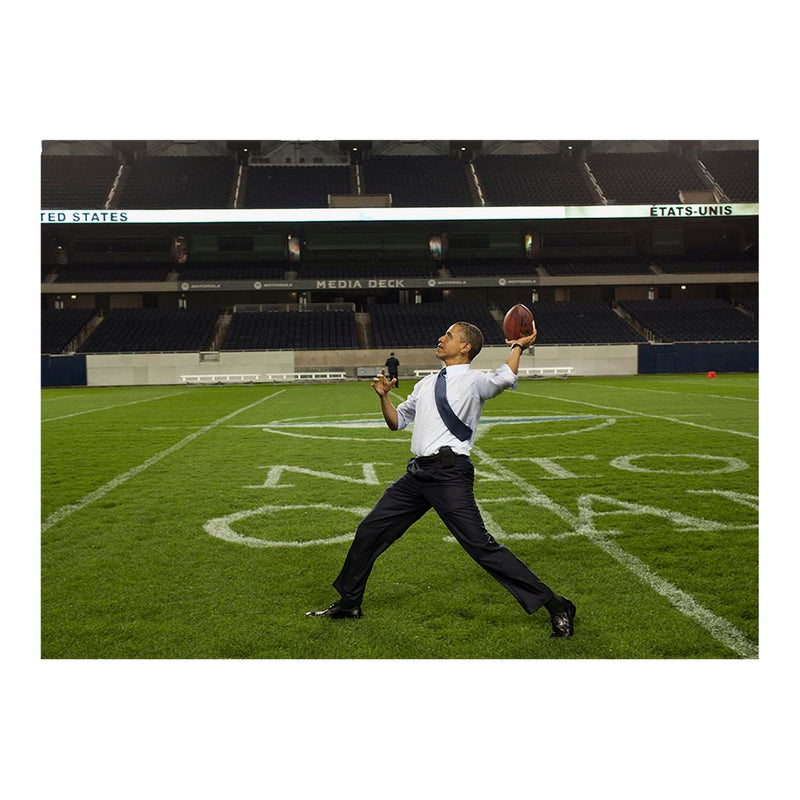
point(422, 71)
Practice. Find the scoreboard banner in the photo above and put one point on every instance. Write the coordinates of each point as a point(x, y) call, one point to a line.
point(450, 213)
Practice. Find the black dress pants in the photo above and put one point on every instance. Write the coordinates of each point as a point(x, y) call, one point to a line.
point(448, 490)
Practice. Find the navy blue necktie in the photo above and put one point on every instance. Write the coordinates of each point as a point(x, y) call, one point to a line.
point(461, 431)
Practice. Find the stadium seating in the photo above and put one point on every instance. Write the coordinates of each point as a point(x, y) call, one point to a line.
point(418, 180)
point(643, 178)
point(294, 187)
point(461, 269)
point(104, 273)
point(233, 271)
point(292, 330)
point(750, 304)
point(335, 255)
point(311, 271)
point(61, 326)
point(692, 320)
point(178, 182)
point(594, 266)
point(581, 322)
point(143, 330)
point(77, 181)
point(684, 264)
point(421, 325)
point(530, 180)
point(736, 171)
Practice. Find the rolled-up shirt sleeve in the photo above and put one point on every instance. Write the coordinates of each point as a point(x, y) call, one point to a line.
point(407, 410)
point(490, 384)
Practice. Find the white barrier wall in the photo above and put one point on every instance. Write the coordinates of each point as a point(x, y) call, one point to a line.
point(138, 369)
point(616, 359)
point(611, 359)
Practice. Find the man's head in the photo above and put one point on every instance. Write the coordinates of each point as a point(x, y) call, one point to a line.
point(460, 343)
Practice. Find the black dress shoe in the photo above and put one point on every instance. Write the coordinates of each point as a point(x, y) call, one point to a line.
point(335, 611)
point(562, 621)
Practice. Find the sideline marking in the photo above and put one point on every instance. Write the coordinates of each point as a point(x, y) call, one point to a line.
point(66, 510)
point(46, 398)
point(718, 627)
point(118, 405)
point(642, 414)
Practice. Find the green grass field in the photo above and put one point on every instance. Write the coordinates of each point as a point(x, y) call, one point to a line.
point(203, 522)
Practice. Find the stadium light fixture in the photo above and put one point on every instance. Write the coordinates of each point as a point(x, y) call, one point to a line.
point(465, 149)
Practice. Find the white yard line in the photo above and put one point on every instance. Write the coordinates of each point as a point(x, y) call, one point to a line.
point(118, 405)
point(682, 394)
point(641, 414)
point(718, 627)
point(65, 511)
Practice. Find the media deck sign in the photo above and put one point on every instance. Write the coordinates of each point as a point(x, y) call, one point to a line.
point(366, 284)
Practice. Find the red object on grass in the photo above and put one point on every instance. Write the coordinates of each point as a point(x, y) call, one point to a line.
point(712, 374)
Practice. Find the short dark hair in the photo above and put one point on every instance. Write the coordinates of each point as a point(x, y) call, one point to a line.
point(471, 334)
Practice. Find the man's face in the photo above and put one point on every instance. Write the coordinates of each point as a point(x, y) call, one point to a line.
point(451, 345)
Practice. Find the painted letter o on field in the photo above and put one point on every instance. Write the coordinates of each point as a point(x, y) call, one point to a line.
point(221, 527)
point(725, 463)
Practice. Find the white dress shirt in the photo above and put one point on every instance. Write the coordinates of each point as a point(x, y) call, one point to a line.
point(467, 392)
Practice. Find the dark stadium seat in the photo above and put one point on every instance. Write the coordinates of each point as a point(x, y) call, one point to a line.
point(693, 320)
point(294, 187)
point(232, 271)
point(735, 263)
point(178, 182)
point(596, 266)
point(143, 330)
point(421, 325)
point(119, 273)
point(77, 181)
point(492, 267)
point(643, 178)
point(581, 322)
point(736, 171)
point(61, 326)
point(291, 330)
point(531, 180)
point(311, 271)
point(418, 180)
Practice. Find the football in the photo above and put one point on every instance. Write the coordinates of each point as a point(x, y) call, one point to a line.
point(518, 322)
